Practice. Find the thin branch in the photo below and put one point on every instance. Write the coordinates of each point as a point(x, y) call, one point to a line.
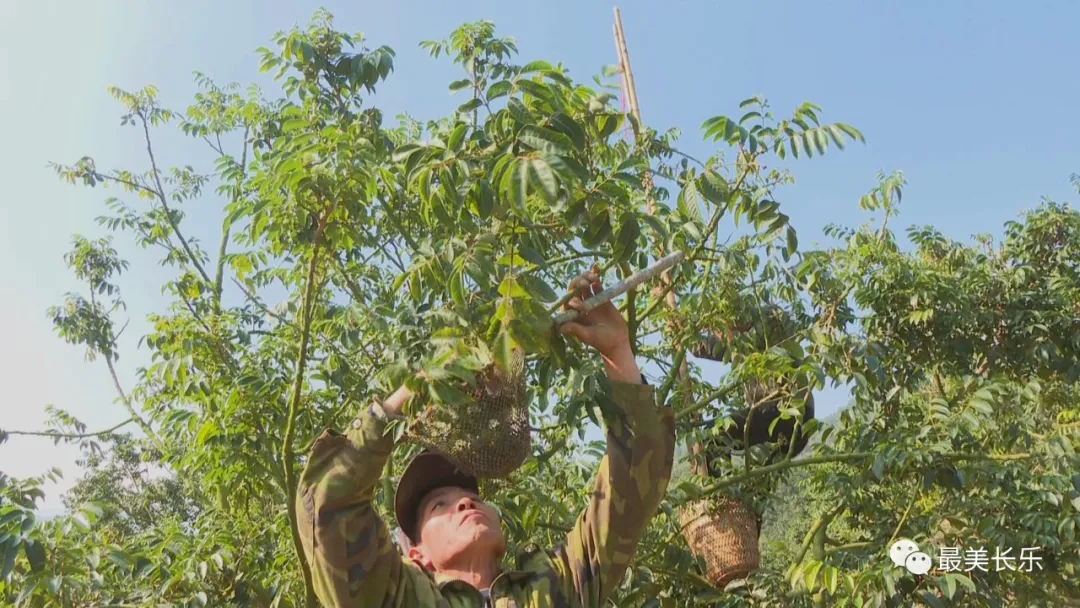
point(719, 393)
point(697, 578)
point(686, 156)
point(669, 381)
point(259, 304)
point(849, 547)
point(121, 332)
point(212, 146)
point(165, 203)
point(821, 522)
point(124, 398)
point(907, 511)
point(69, 435)
point(850, 457)
point(225, 231)
point(307, 309)
point(130, 408)
point(554, 526)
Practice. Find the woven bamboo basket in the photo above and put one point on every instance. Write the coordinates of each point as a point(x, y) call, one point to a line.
point(488, 437)
point(723, 533)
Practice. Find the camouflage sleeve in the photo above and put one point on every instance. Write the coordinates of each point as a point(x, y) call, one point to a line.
point(353, 560)
point(630, 484)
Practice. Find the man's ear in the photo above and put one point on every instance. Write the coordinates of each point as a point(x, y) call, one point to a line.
point(420, 557)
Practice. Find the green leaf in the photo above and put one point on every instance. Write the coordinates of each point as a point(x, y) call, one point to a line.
point(535, 89)
point(715, 188)
point(657, 226)
point(293, 124)
point(688, 202)
point(503, 350)
point(536, 66)
point(831, 577)
point(792, 242)
point(35, 554)
point(810, 575)
point(118, 558)
point(569, 127)
point(526, 336)
point(626, 239)
point(456, 137)
point(948, 586)
point(931, 599)
point(457, 85)
point(879, 466)
point(470, 105)
point(8, 559)
point(852, 132)
point(457, 289)
point(537, 288)
point(53, 584)
point(749, 116)
point(446, 392)
point(518, 111)
point(498, 89)
point(11, 516)
point(520, 185)
point(820, 140)
point(568, 169)
point(964, 581)
point(545, 179)
point(510, 288)
point(546, 140)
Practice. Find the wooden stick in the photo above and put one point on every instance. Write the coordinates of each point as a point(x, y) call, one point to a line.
point(639, 277)
point(624, 65)
point(697, 464)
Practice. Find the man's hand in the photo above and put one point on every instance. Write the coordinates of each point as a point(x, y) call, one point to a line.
point(395, 402)
point(603, 328)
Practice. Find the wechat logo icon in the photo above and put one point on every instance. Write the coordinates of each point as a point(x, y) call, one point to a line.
point(906, 554)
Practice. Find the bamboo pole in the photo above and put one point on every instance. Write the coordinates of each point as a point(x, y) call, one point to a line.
point(630, 90)
point(621, 287)
point(624, 66)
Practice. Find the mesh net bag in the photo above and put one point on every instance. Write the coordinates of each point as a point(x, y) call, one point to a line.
point(723, 533)
point(488, 437)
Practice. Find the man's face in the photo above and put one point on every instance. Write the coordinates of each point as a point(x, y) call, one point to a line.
point(454, 523)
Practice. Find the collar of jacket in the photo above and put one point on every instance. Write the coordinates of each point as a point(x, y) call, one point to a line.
point(448, 584)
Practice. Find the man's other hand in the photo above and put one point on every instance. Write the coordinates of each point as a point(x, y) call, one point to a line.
point(602, 328)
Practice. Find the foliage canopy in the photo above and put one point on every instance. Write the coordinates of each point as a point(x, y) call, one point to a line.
point(353, 253)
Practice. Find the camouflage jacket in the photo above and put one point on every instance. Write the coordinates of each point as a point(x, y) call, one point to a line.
point(354, 562)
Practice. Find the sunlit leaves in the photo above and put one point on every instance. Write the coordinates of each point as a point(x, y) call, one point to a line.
point(546, 140)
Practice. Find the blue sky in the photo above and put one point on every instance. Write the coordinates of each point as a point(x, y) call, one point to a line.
point(974, 101)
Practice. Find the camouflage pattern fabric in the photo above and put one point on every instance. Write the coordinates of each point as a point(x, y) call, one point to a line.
point(354, 562)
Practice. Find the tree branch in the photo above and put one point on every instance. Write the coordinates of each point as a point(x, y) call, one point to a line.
point(783, 465)
point(68, 435)
point(127, 402)
point(820, 523)
point(131, 409)
point(719, 393)
point(225, 231)
point(294, 405)
point(669, 381)
point(165, 203)
point(907, 511)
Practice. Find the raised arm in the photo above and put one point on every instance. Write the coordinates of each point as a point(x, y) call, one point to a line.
point(633, 474)
point(353, 561)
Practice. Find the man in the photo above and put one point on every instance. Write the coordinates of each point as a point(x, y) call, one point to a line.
point(455, 537)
